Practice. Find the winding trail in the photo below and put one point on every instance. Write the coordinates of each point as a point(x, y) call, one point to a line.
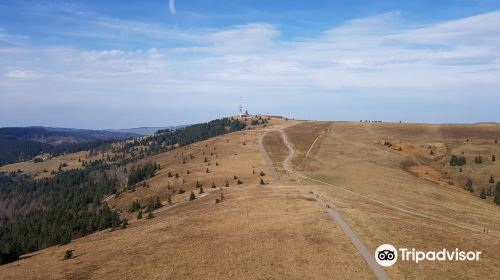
point(367, 255)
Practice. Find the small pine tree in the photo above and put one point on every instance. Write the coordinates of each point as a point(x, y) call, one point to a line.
point(483, 194)
point(139, 215)
point(192, 196)
point(198, 185)
point(68, 254)
point(497, 194)
point(468, 185)
point(208, 171)
point(214, 186)
point(492, 179)
point(158, 203)
point(460, 170)
point(262, 181)
point(262, 173)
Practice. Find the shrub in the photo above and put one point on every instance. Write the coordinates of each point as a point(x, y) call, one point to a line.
point(68, 254)
point(457, 160)
point(240, 182)
point(181, 191)
point(478, 159)
point(201, 190)
point(139, 215)
point(492, 179)
point(124, 223)
point(468, 186)
point(483, 194)
point(214, 186)
point(192, 196)
point(497, 194)
point(198, 185)
point(262, 181)
point(262, 173)
point(150, 215)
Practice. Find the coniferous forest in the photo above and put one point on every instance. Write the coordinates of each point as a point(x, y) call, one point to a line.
point(50, 211)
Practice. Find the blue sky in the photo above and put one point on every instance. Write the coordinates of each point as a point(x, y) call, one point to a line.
point(117, 64)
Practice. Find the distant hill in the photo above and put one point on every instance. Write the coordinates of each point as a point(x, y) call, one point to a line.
point(145, 130)
point(25, 143)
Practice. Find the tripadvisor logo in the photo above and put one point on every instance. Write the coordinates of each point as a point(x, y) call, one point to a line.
point(387, 255)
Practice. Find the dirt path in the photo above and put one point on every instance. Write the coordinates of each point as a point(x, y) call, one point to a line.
point(369, 258)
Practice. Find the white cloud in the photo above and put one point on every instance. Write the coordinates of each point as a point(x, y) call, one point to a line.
point(380, 56)
point(23, 74)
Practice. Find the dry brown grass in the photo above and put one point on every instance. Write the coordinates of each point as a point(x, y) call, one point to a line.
point(351, 157)
point(279, 232)
point(44, 169)
point(256, 233)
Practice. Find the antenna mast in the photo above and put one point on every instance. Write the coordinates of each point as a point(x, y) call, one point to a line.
point(241, 106)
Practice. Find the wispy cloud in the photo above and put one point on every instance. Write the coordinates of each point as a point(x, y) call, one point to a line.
point(380, 56)
point(171, 6)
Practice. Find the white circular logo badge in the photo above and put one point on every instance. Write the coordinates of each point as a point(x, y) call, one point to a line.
point(386, 255)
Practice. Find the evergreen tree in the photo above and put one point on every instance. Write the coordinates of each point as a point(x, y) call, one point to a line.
point(240, 182)
point(227, 184)
point(478, 159)
point(468, 185)
point(483, 194)
point(497, 194)
point(262, 181)
point(139, 215)
point(192, 196)
point(492, 179)
point(457, 160)
point(201, 190)
point(158, 203)
point(493, 158)
point(68, 254)
point(214, 186)
point(198, 185)
point(262, 173)
point(169, 199)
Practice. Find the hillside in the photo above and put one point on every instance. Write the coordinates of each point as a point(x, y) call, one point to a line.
point(390, 183)
point(19, 144)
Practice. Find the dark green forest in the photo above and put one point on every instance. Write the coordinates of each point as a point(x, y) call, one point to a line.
point(24, 143)
point(54, 210)
point(51, 211)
